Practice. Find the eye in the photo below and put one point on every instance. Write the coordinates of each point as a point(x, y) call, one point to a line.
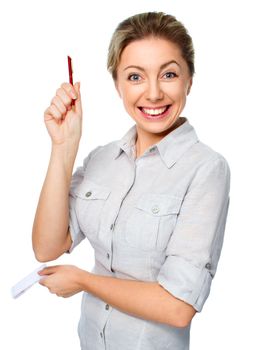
point(170, 75)
point(134, 77)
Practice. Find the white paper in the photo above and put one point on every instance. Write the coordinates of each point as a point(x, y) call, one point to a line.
point(27, 282)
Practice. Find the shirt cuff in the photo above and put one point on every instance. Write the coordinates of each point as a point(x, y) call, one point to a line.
point(185, 281)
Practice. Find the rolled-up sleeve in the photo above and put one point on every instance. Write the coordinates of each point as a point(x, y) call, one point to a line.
point(194, 249)
point(76, 233)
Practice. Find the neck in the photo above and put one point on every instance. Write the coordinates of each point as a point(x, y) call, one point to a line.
point(146, 139)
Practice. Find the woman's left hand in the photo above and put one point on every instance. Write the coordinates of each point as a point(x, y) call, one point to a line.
point(63, 280)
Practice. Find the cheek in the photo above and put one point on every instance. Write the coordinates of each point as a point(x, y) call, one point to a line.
point(131, 95)
point(176, 91)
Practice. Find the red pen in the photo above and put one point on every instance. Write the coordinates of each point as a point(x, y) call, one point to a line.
point(70, 72)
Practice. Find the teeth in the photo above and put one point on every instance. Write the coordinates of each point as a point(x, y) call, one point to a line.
point(154, 111)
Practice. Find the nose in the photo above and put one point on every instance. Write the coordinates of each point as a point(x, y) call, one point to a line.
point(154, 92)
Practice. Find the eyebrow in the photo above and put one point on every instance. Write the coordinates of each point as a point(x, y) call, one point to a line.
point(161, 67)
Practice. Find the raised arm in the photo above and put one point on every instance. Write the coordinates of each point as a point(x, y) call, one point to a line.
point(50, 235)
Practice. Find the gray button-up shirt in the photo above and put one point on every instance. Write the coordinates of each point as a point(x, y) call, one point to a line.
point(160, 217)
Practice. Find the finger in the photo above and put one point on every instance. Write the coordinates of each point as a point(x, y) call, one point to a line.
point(54, 112)
point(57, 109)
point(51, 291)
point(78, 101)
point(47, 114)
point(43, 281)
point(70, 90)
point(59, 104)
point(64, 96)
point(67, 295)
point(48, 270)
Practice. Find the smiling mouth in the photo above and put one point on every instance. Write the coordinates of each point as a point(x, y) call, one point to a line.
point(155, 111)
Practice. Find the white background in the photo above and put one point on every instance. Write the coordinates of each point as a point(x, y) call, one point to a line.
point(36, 37)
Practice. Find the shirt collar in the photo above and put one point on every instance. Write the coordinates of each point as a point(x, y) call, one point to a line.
point(171, 147)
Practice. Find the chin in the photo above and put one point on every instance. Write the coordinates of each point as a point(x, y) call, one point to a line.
point(158, 127)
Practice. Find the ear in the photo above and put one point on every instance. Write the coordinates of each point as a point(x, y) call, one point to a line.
point(189, 85)
point(117, 88)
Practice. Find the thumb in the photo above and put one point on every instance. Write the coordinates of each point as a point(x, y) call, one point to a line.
point(78, 102)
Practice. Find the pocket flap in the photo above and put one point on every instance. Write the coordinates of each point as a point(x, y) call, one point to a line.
point(159, 204)
point(88, 190)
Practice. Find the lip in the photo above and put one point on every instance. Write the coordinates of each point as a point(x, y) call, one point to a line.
point(155, 118)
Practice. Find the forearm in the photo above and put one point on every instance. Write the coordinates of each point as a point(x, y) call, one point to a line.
point(51, 219)
point(147, 300)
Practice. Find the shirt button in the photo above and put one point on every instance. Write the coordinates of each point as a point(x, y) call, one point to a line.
point(112, 226)
point(152, 149)
point(88, 194)
point(107, 307)
point(101, 334)
point(108, 255)
point(208, 266)
point(155, 209)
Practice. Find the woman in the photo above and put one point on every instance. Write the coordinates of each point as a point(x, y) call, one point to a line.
point(152, 204)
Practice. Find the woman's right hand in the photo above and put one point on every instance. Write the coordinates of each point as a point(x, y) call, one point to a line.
point(63, 121)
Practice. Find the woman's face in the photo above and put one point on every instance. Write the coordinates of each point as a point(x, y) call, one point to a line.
point(153, 81)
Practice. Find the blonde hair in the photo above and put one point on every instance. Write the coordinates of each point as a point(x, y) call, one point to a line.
point(148, 24)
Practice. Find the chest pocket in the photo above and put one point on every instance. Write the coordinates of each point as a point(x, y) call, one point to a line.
point(152, 220)
point(90, 202)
